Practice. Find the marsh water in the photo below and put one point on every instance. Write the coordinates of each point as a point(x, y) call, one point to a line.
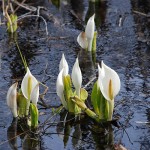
point(123, 43)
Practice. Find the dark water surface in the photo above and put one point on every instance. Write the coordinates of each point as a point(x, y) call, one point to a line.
point(123, 43)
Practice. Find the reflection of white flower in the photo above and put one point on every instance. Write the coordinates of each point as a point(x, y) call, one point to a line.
point(28, 85)
point(63, 65)
point(12, 99)
point(85, 39)
point(109, 82)
point(60, 88)
point(77, 77)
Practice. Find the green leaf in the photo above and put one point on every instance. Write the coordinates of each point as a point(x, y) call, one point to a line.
point(22, 105)
point(13, 19)
point(68, 93)
point(34, 115)
point(100, 104)
point(95, 98)
point(83, 94)
point(94, 42)
point(104, 108)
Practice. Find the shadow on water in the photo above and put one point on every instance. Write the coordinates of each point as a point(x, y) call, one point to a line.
point(124, 47)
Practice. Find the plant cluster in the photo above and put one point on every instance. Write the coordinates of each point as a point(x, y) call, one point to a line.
point(105, 89)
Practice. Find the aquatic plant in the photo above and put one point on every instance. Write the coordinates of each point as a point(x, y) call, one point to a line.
point(109, 85)
point(64, 86)
point(19, 102)
point(87, 39)
point(103, 93)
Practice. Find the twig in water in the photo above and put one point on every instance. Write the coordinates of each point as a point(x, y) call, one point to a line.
point(124, 130)
point(19, 6)
point(30, 8)
point(89, 82)
point(13, 137)
point(142, 122)
point(140, 13)
point(3, 7)
point(46, 88)
point(36, 16)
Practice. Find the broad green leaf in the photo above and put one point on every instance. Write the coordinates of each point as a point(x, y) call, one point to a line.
point(95, 98)
point(22, 105)
point(34, 115)
point(83, 94)
point(100, 104)
point(103, 108)
point(68, 93)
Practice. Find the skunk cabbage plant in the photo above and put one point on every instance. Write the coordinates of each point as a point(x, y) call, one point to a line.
point(64, 86)
point(109, 84)
point(87, 39)
point(19, 103)
point(103, 93)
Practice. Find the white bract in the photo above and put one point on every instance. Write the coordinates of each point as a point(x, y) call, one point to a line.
point(60, 88)
point(12, 99)
point(35, 94)
point(77, 77)
point(64, 65)
point(85, 39)
point(30, 87)
point(108, 81)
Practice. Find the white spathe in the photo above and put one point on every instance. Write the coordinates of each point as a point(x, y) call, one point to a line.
point(82, 40)
point(12, 99)
point(85, 39)
point(77, 77)
point(108, 81)
point(28, 84)
point(64, 65)
point(90, 27)
point(60, 88)
point(35, 94)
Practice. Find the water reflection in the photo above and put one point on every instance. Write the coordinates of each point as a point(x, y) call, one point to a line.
point(99, 8)
point(78, 8)
point(16, 64)
point(85, 132)
point(142, 6)
point(87, 62)
point(103, 137)
point(12, 135)
point(18, 131)
point(67, 128)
